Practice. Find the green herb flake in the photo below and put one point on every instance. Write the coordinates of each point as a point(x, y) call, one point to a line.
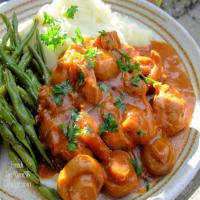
point(74, 115)
point(103, 32)
point(57, 100)
point(71, 146)
point(90, 65)
point(73, 131)
point(60, 90)
point(63, 127)
point(147, 184)
point(104, 87)
point(71, 11)
point(137, 166)
point(81, 78)
point(78, 39)
point(54, 36)
point(86, 130)
point(135, 80)
point(141, 133)
point(92, 53)
point(48, 19)
point(109, 124)
point(119, 103)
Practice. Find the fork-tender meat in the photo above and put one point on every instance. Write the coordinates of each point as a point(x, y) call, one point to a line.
point(108, 41)
point(170, 109)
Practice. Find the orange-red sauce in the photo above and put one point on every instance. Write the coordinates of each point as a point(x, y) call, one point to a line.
point(51, 116)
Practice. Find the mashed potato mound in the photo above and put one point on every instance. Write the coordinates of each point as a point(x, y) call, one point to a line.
point(92, 17)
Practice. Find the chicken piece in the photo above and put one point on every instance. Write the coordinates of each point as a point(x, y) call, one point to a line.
point(159, 156)
point(67, 67)
point(73, 67)
point(121, 176)
point(115, 140)
point(91, 91)
point(170, 109)
point(139, 124)
point(151, 66)
point(105, 66)
point(91, 138)
point(108, 41)
point(81, 179)
point(135, 89)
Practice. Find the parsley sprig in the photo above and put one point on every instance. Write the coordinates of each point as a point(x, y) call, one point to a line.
point(103, 32)
point(71, 11)
point(109, 124)
point(78, 39)
point(137, 165)
point(92, 53)
point(54, 36)
point(60, 90)
point(104, 87)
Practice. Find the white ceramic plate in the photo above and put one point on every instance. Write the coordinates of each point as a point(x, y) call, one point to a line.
point(13, 187)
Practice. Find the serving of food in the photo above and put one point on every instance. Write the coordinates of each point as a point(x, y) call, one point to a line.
point(91, 108)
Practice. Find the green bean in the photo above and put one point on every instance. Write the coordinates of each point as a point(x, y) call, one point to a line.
point(21, 151)
point(22, 76)
point(37, 66)
point(26, 98)
point(33, 78)
point(22, 114)
point(17, 162)
point(8, 117)
point(16, 99)
point(3, 90)
point(17, 38)
point(5, 104)
point(39, 46)
point(29, 129)
point(6, 38)
point(25, 41)
point(47, 192)
point(25, 60)
point(9, 27)
point(1, 75)
point(44, 69)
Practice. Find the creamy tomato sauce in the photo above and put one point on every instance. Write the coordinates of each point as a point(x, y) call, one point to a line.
point(116, 110)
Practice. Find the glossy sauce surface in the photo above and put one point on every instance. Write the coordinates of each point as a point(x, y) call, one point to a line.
point(139, 129)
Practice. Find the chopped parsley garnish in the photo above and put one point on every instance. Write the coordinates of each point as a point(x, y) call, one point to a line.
point(137, 165)
point(92, 53)
point(48, 19)
point(147, 184)
point(119, 103)
point(90, 65)
point(81, 78)
point(54, 36)
point(78, 39)
point(86, 130)
point(125, 65)
point(63, 127)
point(74, 115)
point(141, 133)
point(73, 131)
point(71, 146)
point(149, 80)
point(109, 124)
point(135, 80)
point(104, 87)
point(60, 90)
point(103, 32)
point(71, 11)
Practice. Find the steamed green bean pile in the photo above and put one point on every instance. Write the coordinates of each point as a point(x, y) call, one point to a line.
point(21, 66)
